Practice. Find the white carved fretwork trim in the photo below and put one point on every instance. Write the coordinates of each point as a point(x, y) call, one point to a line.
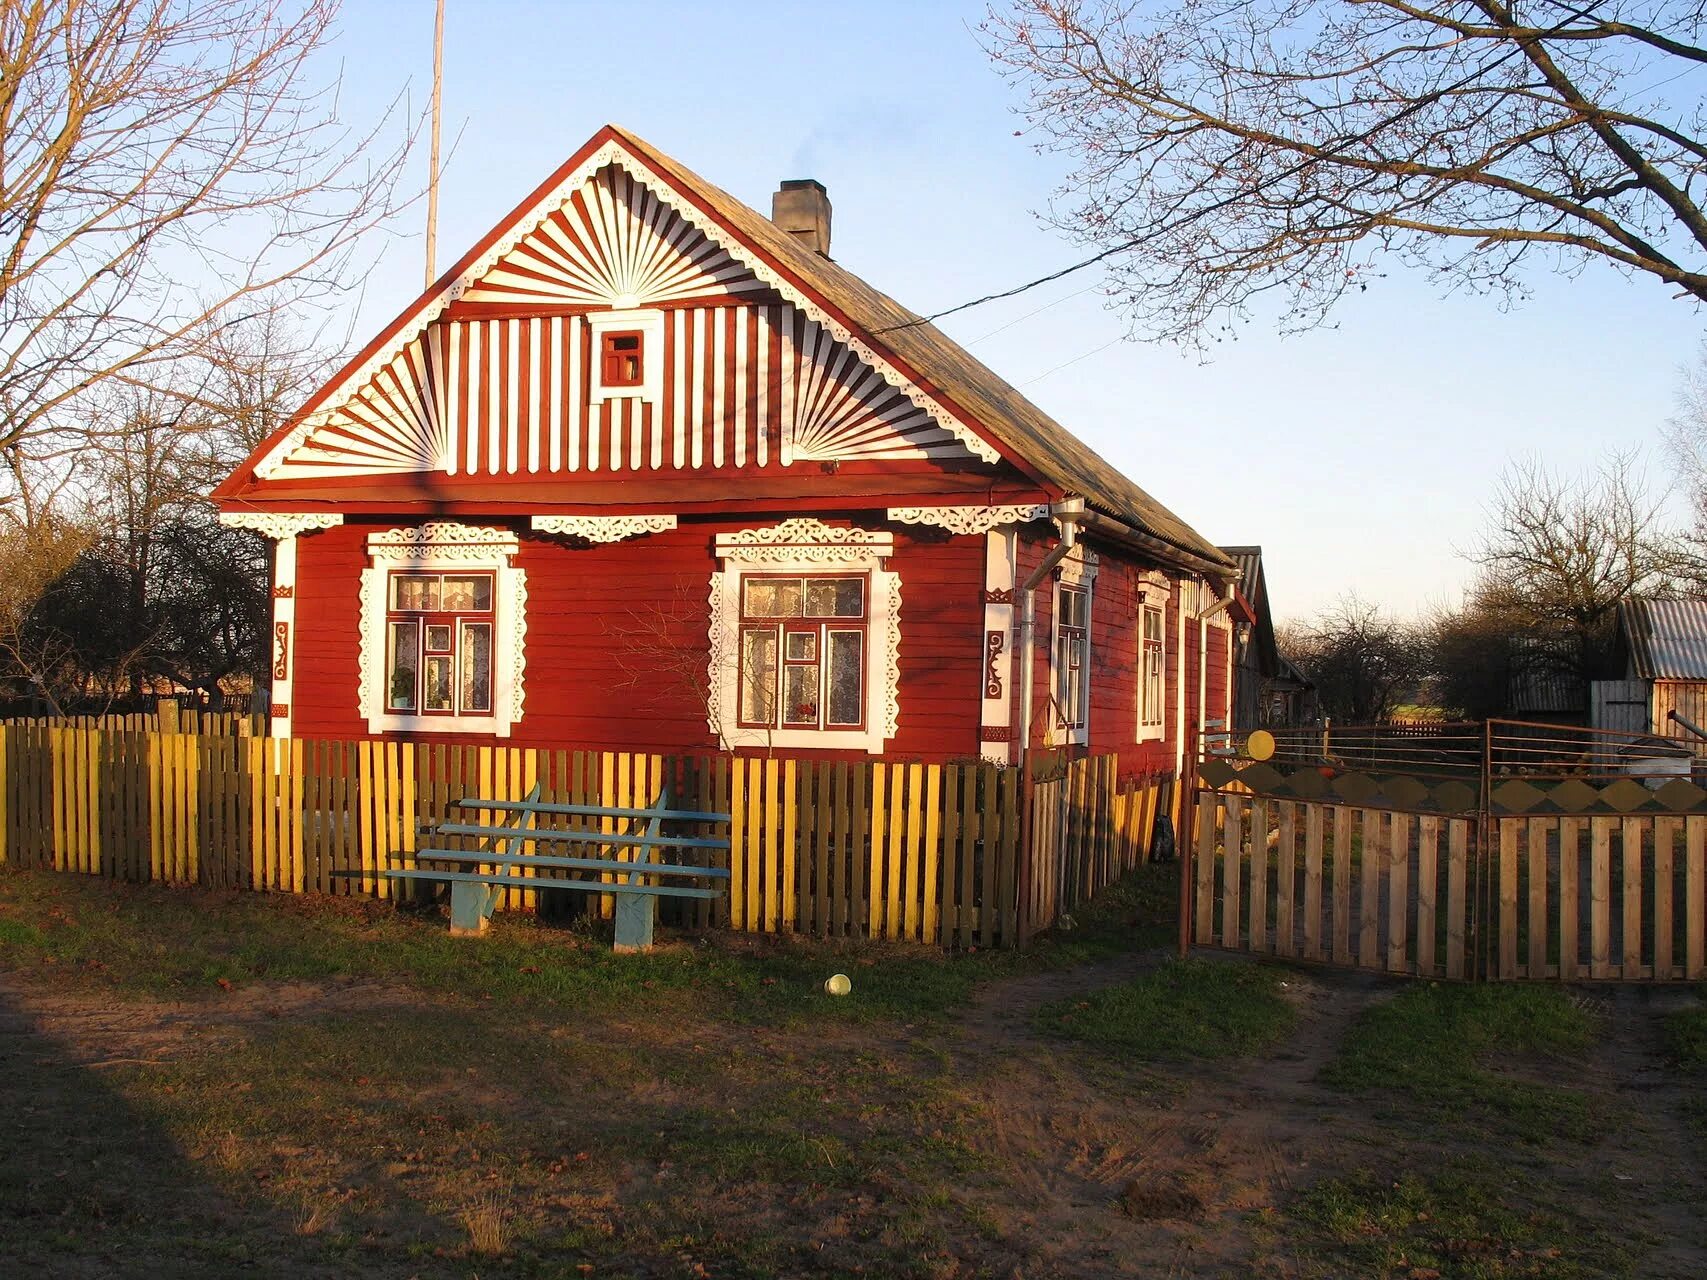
point(807, 541)
point(614, 152)
point(603, 528)
point(451, 546)
point(443, 540)
point(281, 524)
point(883, 651)
point(973, 520)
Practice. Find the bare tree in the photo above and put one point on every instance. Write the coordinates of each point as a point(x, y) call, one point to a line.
point(1229, 150)
point(166, 167)
point(32, 558)
point(1364, 662)
point(1558, 554)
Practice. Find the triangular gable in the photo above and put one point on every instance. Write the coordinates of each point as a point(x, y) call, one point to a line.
point(613, 243)
point(607, 232)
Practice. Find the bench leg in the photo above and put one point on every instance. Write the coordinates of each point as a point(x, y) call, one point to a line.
point(634, 913)
point(470, 909)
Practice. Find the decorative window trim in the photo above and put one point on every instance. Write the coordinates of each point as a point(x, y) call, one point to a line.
point(279, 525)
point(603, 528)
point(970, 520)
point(1154, 592)
point(805, 540)
point(805, 546)
point(650, 325)
point(445, 545)
point(1078, 570)
point(614, 153)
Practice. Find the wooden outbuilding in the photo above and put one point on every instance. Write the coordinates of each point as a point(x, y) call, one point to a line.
point(646, 470)
point(1664, 690)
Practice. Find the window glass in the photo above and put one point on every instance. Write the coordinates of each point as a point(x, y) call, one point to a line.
point(835, 597)
point(800, 694)
point(476, 666)
point(467, 591)
point(435, 683)
point(415, 592)
point(438, 638)
point(772, 597)
point(803, 646)
point(402, 661)
point(846, 651)
point(758, 676)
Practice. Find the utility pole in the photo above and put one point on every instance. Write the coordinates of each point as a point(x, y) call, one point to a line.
point(433, 174)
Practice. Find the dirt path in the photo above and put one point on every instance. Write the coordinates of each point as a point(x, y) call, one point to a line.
point(1132, 1172)
point(89, 1032)
point(1651, 1150)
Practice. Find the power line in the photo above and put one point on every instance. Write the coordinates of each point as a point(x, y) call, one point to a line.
point(1029, 314)
point(1075, 360)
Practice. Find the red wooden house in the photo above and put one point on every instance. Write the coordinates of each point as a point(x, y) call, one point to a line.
point(646, 470)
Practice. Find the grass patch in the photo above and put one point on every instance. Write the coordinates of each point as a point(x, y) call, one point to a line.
point(1185, 1009)
point(1437, 1046)
point(1456, 1224)
point(162, 942)
point(1686, 1038)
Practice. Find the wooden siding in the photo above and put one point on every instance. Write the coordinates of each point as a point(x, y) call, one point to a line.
point(1689, 699)
point(617, 640)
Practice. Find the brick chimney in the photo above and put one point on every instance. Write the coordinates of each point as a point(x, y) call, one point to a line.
point(801, 207)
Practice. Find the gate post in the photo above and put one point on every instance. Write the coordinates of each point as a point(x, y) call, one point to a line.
point(1185, 840)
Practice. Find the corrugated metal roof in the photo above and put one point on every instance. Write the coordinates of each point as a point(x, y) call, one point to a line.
point(1055, 452)
point(1249, 560)
point(1667, 638)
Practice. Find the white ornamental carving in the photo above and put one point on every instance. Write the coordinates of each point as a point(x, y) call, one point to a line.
point(725, 627)
point(443, 540)
point(971, 520)
point(603, 528)
point(279, 525)
point(613, 153)
point(613, 243)
point(806, 540)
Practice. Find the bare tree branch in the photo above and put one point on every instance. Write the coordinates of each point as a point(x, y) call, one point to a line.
point(1230, 150)
point(167, 167)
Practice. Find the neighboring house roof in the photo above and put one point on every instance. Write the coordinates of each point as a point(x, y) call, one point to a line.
point(1667, 639)
point(1254, 587)
point(1544, 676)
point(936, 363)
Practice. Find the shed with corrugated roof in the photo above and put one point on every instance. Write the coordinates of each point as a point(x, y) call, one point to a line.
point(1665, 686)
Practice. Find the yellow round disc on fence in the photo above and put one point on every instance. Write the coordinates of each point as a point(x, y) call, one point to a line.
point(837, 984)
point(1260, 745)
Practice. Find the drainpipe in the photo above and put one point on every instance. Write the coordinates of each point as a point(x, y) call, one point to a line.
point(1068, 513)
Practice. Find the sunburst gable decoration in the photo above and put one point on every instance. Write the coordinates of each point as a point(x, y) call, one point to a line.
point(613, 243)
point(391, 424)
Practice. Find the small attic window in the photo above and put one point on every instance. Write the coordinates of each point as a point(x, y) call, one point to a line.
point(622, 358)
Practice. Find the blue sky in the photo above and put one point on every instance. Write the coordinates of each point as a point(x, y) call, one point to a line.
point(1360, 456)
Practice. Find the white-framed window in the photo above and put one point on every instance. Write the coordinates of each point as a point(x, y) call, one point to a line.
point(1152, 657)
point(443, 621)
point(628, 355)
point(805, 638)
point(1070, 653)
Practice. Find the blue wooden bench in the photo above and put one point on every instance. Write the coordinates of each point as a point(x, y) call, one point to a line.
point(637, 883)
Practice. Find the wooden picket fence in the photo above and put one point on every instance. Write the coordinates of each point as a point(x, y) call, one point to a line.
point(1089, 828)
point(1589, 897)
point(1601, 898)
point(1362, 888)
point(167, 717)
point(905, 851)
